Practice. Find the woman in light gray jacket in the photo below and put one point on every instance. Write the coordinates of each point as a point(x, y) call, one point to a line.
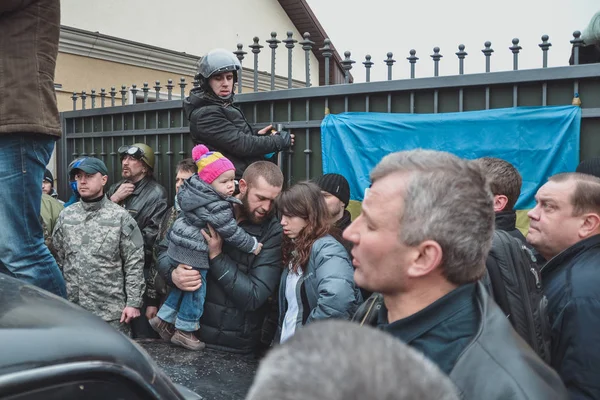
point(318, 278)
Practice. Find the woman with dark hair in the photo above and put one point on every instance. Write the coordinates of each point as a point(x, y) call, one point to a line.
point(318, 278)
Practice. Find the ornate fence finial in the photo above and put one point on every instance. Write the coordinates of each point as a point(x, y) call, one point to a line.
point(545, 46)
point(487, 52)
point(93, 98)
point(74, 98)
point(273, 44)
point(255, 46)
point(83, 97)
point(390, 63)
point(290, 44)
point(368, 64)
point(412, 60)
point(102, 97)
point(515, 48)
point(307, 46)
point(157, 88)
point(113, 95)
point(436, 56)
point(327, 53)
point(134, 91)
point(577, 42)
point(347, 66)
point(240, 53)
point(182, 86)
point(170, 87)
point(123, 94)
point(145, 89)
point(461, 54)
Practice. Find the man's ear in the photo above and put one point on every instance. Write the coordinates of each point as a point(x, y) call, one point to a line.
point(500, 202)
point(104, 179)
point(243, 186)
point(428, 257)
point(590, 225)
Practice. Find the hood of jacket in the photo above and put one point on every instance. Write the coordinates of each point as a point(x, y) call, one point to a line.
point(200, 98)
point(196, 193)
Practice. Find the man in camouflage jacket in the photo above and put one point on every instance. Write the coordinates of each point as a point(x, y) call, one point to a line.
point(100, 249)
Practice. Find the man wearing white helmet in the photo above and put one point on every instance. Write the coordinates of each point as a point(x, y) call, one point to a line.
point(221, 126)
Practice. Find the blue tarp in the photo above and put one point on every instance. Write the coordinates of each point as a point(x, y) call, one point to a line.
point(538, 141)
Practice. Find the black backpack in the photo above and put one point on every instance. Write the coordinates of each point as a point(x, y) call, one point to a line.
point(514, 281)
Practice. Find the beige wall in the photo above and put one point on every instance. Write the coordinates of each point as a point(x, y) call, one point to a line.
point(77, 73)
point(193, 26)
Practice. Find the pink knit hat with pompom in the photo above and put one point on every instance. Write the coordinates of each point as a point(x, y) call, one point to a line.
point(210, 164)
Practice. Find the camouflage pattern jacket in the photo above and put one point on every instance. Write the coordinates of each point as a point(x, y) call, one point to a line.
point(101, 252)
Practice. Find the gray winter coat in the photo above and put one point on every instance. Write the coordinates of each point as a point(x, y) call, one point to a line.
point(201, 205)
point(326, 288)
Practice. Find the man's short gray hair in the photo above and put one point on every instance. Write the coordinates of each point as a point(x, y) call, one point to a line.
point(340, 360)
point(447, 200)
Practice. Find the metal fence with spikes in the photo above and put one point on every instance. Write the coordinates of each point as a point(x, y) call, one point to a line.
point(157, 119)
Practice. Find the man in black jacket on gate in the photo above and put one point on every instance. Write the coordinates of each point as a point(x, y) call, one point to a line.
point(565, 229)
point(239, 285)
point(421, 241)
point(221, 126)
point(505, 182)
point(146, 200)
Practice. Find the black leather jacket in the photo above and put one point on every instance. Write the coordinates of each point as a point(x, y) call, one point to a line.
point(497, 364)
point(239, 286)
point(222, 127)
point(147, 205)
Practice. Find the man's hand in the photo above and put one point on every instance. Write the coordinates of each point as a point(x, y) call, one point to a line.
point(214, 242)
point(265, 130)
point(151, 312)
point(122, 192)
point(286, 140)
point(129, 313)
point(186, 278)
point(292, 136)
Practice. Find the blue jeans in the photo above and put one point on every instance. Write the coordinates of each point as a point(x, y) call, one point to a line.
point(184, 309)
point(23, 253)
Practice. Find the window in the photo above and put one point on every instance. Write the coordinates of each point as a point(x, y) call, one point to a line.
point(83, 390)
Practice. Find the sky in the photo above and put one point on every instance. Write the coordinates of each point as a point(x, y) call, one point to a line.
point(377, 27)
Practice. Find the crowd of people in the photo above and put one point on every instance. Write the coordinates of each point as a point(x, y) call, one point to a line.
point(240, 264)
point(246, 267)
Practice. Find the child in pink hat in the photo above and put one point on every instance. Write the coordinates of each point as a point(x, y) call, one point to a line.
point(206, 198)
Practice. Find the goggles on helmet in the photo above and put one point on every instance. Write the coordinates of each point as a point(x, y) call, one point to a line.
point(132, 151)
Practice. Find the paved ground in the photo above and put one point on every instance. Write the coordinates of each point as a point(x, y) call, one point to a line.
point(212, 374)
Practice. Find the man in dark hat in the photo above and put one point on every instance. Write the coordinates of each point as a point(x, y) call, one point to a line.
point(336, 190)
point(591, 166)
point(48, 186)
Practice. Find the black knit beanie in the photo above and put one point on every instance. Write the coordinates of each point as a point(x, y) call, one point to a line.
point(337, 185)
point(48, 177)
point(590, 167)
